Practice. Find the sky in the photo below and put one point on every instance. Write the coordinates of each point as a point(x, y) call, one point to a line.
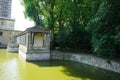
point(17, 13)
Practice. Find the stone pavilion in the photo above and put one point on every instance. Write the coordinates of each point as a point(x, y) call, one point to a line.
point(34, 43)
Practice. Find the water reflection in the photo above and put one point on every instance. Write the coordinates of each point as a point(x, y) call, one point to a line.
point(8, 66)
point(13, 67)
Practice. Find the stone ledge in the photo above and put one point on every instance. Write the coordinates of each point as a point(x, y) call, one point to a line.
point(37, 57)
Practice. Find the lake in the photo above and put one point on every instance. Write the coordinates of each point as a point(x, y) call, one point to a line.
point(14, 67)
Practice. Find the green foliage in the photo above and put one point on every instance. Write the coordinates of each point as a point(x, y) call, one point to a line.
point(79, 24)
point(104, 26)
point(32, 10)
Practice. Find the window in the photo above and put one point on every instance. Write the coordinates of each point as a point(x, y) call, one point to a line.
point(4, 15)
point(1, 23)
point(1, 33)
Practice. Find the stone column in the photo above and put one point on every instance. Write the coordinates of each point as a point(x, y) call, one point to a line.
point(31, 44)
point(45, 40)
point(27, 45)
point(32, 39)
point(48, 40)
point(28, 41)
point(25, 40)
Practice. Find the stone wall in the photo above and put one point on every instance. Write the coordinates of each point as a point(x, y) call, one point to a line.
point(7, 24)
point(37, 56)
point(87, 59)
point(34, 54)
point(12, 47)
point(5, 37)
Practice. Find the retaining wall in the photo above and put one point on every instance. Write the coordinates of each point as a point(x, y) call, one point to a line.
point(87, 59)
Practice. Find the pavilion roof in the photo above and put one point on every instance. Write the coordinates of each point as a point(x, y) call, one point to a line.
point(34, 29)
point(37, 29)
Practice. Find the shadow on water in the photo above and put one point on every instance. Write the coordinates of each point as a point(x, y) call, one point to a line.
point(80, 70)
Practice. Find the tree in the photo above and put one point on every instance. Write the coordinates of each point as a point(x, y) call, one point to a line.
point(33, 12)
point(80, 24)
point(41, 12)
point(104, 27)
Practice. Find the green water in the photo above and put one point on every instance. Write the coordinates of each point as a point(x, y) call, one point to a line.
point(13, 67)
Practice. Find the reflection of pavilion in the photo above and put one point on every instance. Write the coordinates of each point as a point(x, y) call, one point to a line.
point(34, 44)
